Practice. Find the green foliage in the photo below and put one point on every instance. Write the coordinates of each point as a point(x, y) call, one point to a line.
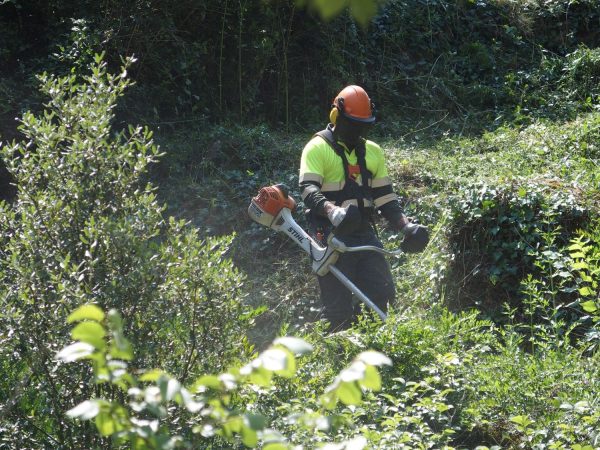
point(584, 252)
point(86, 227)
point(505, 208)
point(144, 421)
point(362, 10)
point(229, 149)
point(558, 88)
point(501, 234)
point(517, 398)
point(474, 64)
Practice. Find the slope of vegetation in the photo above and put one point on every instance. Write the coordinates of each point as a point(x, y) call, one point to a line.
point(122, 327)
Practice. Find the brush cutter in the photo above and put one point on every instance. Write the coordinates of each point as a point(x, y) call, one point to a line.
point(272, 207)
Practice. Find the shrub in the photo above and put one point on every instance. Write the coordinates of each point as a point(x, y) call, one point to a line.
point(559, 87)
point(145, 421)
point(518, 399)
point(584, 264)
point(499, 234)
point(85, 227)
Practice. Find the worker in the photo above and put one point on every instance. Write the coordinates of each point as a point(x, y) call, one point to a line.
point(344, 180)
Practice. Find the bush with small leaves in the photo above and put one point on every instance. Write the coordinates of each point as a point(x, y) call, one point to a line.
point(142, 416)
point(86, 226)
point(499, 234)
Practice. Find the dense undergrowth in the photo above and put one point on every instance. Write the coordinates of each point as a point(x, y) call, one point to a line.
point(514, 220)
point(519, 371)
point(464, 65)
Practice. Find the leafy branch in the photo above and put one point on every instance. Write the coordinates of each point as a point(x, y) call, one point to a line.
point(99, 338)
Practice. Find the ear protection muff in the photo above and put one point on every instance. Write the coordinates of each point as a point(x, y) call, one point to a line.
point(333, 115)
point(336, 108)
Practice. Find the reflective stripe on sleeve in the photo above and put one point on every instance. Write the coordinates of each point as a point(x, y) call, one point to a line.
point(379, 182)
point(337, 186)
point(311, 177)
point(333, 187)
point(354, 202)
point(380, 201)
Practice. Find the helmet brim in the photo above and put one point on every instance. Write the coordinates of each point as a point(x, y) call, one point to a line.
point(368, 120)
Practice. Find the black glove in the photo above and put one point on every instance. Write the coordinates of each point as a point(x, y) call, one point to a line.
point(346, 220)
point(416, 238)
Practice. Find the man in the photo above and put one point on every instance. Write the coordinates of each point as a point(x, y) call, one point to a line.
point(343, 179)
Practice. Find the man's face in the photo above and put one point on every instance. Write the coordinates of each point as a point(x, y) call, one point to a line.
point(350, 132)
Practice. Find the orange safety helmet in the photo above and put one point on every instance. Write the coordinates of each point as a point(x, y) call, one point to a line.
point(354, 104)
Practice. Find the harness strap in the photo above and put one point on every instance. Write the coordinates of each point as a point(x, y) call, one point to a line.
point(364, 191)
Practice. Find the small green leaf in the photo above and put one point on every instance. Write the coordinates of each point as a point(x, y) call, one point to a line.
point(86, 312)
point(261, 377)
point(233, 425)
point(255, 421)
point(290, 369)
point(580, 265)
point(349, 393)
point(90, 332)
point(450, 359)
point(105, 424)
point(273, 440)
point(74, 352)
point(329, 400)
point(206, 381)
point(85, 410)
point(372, 379)
point(374, 358)
point(249, 437)
point(276, 446)
point(122, 348)
point(589, 306)
point(295, 345)
point(152, 375)
point(585, 291)
point(523, 421)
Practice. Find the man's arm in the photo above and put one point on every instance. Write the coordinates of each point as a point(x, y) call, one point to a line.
point(313, 198)
point(393, 213)
point(312, 168)
point(416, 236)
point(384, 197)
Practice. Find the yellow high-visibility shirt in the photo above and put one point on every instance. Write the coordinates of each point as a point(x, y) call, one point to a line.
point(320, 164)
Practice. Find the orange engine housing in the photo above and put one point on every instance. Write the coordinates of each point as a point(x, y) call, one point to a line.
point(272, 199)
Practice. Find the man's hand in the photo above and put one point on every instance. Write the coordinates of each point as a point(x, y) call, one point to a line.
point(336, 215)
point(416, 238)
point(345, 220)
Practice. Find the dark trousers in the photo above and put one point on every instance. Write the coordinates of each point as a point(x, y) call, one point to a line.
point(369, 271)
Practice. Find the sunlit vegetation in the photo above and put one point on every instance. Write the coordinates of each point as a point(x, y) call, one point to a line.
point(141, 308)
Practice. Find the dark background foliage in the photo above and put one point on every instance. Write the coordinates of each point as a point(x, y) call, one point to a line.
point(470, 95)
point(252, 61)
